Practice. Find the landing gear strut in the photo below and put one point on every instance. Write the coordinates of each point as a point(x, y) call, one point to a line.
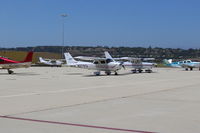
point(10, 71)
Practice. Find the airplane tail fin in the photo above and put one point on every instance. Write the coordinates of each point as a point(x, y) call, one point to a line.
point(108, 56)
point(167, 61)
point(29, 57)
point(41, 59)
point(69, 59)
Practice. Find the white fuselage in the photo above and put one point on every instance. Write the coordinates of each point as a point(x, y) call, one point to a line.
point(112, 66)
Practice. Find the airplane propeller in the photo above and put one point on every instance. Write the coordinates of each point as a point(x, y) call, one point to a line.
point(121, 63)
point(124, 67)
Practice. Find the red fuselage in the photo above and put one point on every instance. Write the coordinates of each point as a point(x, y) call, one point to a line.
point(6, 63)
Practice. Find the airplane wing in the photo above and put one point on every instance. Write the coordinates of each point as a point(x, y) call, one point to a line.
point(50, 59)
point(134, 59)
point(87, 58)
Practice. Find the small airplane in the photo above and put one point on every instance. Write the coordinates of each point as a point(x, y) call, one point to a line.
point(187, 64)
point(136, 63)
point(9, 64)
point(99, 64)
point(50, 62)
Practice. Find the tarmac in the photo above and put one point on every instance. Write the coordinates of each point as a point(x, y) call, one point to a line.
point(71, 100)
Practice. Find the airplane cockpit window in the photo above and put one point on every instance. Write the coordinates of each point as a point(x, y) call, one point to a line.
point(103, 62)
point(137, 61)
point(184, 61)
point(96, 62)
point(1, 60)
point(109, 60)
point(188, 61)
point(53, 61)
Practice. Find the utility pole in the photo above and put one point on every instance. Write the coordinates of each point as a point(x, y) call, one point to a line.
point(63, 32)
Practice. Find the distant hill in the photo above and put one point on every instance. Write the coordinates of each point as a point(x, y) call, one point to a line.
point(158, 53)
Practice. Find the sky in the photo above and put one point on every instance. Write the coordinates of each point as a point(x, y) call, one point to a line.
point(134, 23)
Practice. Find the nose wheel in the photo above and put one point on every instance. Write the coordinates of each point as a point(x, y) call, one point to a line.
point(97, 73)
point(10, 71)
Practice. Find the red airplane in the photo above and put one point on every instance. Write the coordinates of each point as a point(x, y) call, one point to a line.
point(8, 64)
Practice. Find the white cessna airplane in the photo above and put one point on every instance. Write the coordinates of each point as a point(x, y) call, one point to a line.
point(98, 64)
point(136, 63)
point(50, 62)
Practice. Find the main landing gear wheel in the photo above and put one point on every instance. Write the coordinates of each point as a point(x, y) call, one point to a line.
point(108, 73)
point(186, 69)
point(148, 71)
point(10, 71)
point(191, 69)
point(116, 73)
point(140, 71)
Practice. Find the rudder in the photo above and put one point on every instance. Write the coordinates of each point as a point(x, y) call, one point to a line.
point(29, 57)
point(69, 59)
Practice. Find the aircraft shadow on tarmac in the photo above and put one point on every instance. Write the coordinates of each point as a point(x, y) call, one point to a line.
point(120, 74)
point(190, 70)
point(20, 74)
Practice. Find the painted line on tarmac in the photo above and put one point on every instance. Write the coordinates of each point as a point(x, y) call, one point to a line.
point(73, 124)
point(18, 95)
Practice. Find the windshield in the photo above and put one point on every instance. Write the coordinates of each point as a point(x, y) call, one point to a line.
point(109, 60)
